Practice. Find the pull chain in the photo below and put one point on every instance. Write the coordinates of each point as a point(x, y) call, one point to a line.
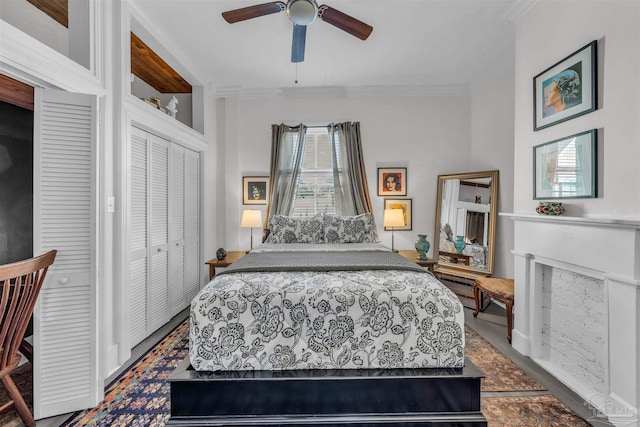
point(296, 81)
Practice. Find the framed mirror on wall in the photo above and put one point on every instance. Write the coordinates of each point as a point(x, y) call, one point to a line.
point(465, 226)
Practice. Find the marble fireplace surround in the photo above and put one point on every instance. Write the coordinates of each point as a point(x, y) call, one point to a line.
point(599, 251)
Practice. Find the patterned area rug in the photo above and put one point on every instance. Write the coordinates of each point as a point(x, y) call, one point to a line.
point(140, 395)
point(22, 378)
point(501, 374)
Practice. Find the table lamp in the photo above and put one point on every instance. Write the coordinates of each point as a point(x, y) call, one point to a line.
point(393, 218)
point(251, 218)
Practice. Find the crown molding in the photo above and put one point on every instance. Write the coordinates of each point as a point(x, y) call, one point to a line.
point(324, 92)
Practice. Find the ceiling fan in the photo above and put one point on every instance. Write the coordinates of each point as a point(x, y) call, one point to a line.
point(301, 13)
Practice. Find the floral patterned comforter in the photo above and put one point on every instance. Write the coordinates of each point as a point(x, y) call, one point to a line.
point(277, 320)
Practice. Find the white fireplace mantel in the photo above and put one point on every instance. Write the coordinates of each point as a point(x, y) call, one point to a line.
point(602, 253)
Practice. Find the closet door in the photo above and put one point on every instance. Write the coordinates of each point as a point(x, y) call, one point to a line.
point(192, 224)
point(138, 236)
point(66, 374)
point(177, 230)
point(158, 295)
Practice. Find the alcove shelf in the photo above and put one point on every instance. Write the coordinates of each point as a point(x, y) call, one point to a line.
point(152, 78)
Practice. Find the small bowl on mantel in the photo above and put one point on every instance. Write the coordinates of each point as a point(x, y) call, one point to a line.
point(550, 208)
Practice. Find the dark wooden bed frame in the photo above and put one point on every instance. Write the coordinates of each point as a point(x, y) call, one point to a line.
point(368, 397)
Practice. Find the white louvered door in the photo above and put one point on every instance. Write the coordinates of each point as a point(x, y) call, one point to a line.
point(138, 237)
point(192, 225)
point(159, 233)
point(164, 231)
point(177, 230)
point(66, 369)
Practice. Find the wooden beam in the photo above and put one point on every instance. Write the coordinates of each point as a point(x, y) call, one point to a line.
point(56, 9)
point(16, 93)
point(151, 68)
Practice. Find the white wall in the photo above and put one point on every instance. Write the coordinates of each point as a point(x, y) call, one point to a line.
point(492, 148)
point(430, 135)
point(547, 34)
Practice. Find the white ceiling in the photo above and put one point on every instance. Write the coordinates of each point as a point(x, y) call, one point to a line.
point(414, 43)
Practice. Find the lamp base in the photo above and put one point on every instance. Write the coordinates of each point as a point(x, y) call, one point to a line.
point(394, 250)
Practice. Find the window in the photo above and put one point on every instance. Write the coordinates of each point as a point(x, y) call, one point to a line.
point(315, 191)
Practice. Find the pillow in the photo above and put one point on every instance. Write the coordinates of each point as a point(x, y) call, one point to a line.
point(287, 229)
point(350, 229)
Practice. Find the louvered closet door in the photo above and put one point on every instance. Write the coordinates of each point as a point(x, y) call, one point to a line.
point(65, 371)
point(158, 296)
point(138, 237)
point(177, 230)
point(192, 224)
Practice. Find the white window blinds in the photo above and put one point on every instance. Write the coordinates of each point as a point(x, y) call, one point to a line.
point(315, 187)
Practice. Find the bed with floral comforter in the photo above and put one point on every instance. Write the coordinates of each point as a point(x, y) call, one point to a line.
point(325, 306)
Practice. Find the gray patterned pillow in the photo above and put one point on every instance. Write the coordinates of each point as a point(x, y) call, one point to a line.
point(287, 229)
point(350, 229)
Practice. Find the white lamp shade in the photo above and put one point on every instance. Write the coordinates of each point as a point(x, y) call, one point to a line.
point(394, 218)
point(251, 218)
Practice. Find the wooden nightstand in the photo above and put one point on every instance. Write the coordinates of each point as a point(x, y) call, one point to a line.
point(232, 256)
point(430, 263)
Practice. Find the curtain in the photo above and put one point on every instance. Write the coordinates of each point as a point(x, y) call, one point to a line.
point(475, 228)
point(448, 208)
point(351, 187)
point(287, 148)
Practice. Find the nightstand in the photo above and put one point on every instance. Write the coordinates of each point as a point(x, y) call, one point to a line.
point(430, 263)
point(232, 256)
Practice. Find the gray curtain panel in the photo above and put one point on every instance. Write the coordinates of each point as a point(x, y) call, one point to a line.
point(287, 147)
point(351, 187)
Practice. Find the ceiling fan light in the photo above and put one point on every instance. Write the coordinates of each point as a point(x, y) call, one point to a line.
point(302, 12)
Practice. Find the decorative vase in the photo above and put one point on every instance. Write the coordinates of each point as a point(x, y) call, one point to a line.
point(550, 208)
point(221, 253)
point(460, 244)
point(422, 246)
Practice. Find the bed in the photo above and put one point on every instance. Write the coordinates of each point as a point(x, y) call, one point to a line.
point(321, 325)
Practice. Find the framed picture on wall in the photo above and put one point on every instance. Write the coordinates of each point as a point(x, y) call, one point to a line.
point(392, 181)
point(567, 89)
point(405, 205)
point(255, 190)
point(566, 168)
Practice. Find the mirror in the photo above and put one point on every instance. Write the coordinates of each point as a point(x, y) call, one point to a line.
point(466, 210)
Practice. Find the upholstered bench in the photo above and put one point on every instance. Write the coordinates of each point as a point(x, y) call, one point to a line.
point(500, 289)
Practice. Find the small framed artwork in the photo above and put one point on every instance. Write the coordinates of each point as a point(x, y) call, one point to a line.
point(567, 89)
point(566, 168)
point(392, 181)
point(405, 205)
point(255, 190)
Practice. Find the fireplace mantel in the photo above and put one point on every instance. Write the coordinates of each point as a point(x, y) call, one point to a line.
point(593, 221)
point(600, 255)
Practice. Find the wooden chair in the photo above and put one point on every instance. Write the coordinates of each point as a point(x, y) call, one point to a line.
point(20, 284)
point(500, 289)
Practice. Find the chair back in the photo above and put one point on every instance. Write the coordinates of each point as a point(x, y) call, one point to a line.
point(20, 284)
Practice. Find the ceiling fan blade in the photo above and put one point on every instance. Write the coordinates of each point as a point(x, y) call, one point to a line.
point(299, 38)
point(237, 15)
point(345, 22)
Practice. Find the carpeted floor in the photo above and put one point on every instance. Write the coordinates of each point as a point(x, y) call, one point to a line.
point(140, 395)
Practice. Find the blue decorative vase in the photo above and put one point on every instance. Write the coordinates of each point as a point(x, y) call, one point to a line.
point(422, 246)
point(460, 244)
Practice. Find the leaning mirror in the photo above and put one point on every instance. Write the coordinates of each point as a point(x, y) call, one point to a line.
point(465, 226)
